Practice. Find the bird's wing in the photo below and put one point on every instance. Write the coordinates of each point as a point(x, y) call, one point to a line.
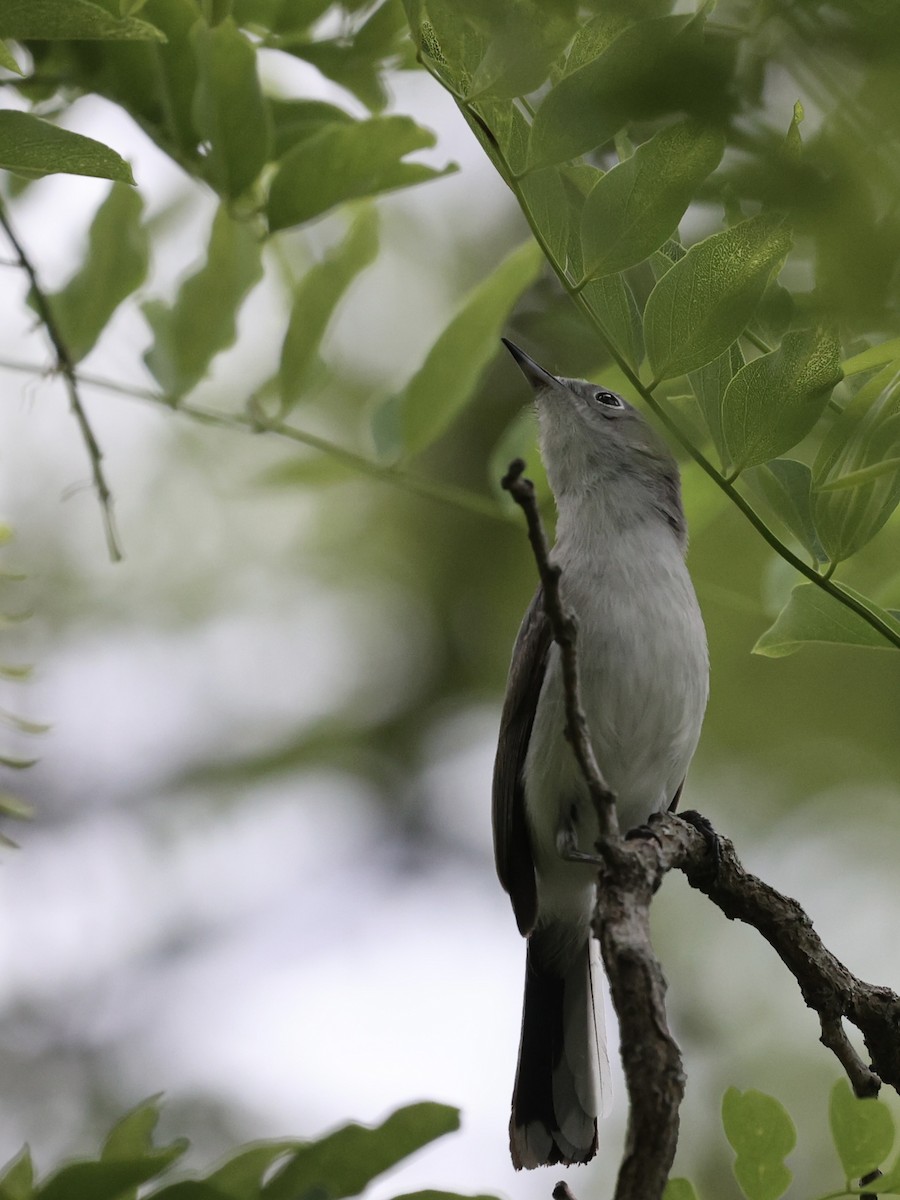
point(512, 848)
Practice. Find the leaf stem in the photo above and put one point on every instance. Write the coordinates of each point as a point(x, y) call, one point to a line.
point(66, 367)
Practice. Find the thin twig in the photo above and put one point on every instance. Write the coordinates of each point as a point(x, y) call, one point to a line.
point(565, 634)
point(66, 368)
point(247, 422)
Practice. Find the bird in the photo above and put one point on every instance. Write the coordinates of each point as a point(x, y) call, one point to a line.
point(621, 540)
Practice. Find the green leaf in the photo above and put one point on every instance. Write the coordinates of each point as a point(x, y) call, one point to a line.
point(98, 1180)
point(342, 162)
point(524, 42)
point(761, 1134)
point(855, 489)
point(357, 60)
point(709, 384)
point(8, 60)
point(202, 320)
point(32, 147)
point(17, 1180)
point(344, 1162)
point(864, 475)
point(704, 301)
point(315, 299)
point(636, 206)
point(774, 401)
point(446, 381)
point(875, 356)
point(786, 486)
point(615, 309)
point(679, 1189)
point(862, 1131)
point(812, 615)
point(590, 104)
point(229, 111)
point(70, 20)
point(296, 120)
point(116, 264)
point(519, 440)
point(242, 1175)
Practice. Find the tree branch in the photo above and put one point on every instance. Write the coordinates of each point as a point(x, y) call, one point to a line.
point(66, 367)
point(630, 873)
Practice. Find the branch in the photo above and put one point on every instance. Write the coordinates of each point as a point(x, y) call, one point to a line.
point(66, 367)
point(565, 633)
point(630, 873)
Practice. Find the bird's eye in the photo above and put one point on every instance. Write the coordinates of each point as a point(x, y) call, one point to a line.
point(609, 399)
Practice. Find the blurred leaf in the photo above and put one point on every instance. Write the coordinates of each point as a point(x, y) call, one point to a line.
point(524, 40)
point(704, 301)
point(590, 104)
point(17, 1180)
point(679, 1189)
point(637, 205)
point(862, 1130)
point(344, 1162)
point(21, 724)
point(786, 486)
point(15, 808)
point(32, 147)
point(316, 297)
point(202, 320)
point(229, 111)
point(357, 60)
point(446, 381)
point(812, 615)
point(864, 475)
point(49, 20)
point(115, 266)
point(709, 384)
point(612, 302)
point(761, 1134)
point(98, 1180)
point(775, 400)
point(310, 471)
point(875, 356)
point(342, 162)
point(242, 1175)
point(793, 142)
point(16, 764)
point(8, 60)
point(519, 440)
point(653, 67)
point(296, 120)
point(855, 490)
point(193, 1189)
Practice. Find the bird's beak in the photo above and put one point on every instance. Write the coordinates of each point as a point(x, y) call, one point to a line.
point(533, 372)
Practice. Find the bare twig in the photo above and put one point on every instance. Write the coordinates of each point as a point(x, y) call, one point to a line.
point(565, 633)
point(66, 368)
point(630, 873)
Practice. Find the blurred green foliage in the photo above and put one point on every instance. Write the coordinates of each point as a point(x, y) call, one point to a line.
point(727, 278)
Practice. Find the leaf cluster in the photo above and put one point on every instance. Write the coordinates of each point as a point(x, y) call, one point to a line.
point(340, 1164)
point(613, 129)
point(762, 1135)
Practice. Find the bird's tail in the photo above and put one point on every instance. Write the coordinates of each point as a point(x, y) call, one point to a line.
point(563, 1070)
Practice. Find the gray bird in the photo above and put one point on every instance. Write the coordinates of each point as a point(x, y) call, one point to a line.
point(620, 541)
